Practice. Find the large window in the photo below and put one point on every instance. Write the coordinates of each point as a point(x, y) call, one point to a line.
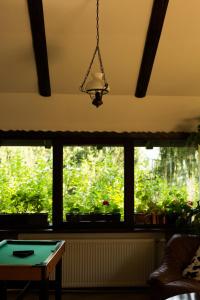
point(99, 181)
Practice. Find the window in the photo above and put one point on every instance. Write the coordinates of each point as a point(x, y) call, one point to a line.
point(166, 180)
point(138, 178)
point(26, 180)
point(93, 180)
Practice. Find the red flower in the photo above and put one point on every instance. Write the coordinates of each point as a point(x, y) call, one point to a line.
point(105, 202)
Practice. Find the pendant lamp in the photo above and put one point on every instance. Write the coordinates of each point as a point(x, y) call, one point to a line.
point(97, 86)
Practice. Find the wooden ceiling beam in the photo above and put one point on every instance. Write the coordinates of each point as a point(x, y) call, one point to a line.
point(36, 16)
point(158, 13)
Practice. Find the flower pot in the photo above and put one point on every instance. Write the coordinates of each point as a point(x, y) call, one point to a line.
point(76, 218)
point(93, 217)
point(158, 219)
point(142, 218)
point(24, 220)
point(107, 217)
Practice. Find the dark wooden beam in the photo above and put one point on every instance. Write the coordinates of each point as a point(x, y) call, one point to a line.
point(152, 40)
point(36, 16)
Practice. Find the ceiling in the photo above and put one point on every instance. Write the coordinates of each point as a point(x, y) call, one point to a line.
point(157, 60)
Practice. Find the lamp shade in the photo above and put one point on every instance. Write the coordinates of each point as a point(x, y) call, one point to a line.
point(97, 84)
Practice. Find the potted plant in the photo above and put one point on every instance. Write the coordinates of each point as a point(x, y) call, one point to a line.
point(157, 212)
point(109, 211)
point(106, 212)
point(26, 210)
point(74, 215)
point(194, 220)
point(178, 210)
point(141, 215)
point(147, 192)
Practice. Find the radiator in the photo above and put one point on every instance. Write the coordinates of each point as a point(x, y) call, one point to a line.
point(106, 262)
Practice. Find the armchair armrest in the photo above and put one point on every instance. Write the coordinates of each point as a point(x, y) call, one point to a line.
point(165, 274)
point(178, 254)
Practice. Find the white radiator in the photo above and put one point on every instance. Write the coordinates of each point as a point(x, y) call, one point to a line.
point(106, 262)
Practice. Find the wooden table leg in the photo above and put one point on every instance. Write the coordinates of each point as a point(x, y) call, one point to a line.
point(44, 287)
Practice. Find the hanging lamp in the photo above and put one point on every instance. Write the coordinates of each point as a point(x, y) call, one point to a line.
point(97, 86)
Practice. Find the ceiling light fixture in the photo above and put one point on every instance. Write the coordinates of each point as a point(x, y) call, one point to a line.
point(98, 86)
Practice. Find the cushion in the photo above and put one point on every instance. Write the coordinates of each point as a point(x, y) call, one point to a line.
point(193, 269)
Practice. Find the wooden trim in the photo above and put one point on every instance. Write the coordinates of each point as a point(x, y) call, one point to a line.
point(57, 205)
point(14, 137)
point(128, 184)
point(152, 40)
point(36, 17)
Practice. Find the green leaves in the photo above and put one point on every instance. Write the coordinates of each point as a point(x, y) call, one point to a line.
point(92, 175)
point(95, 174)
point(26, 180)
point(168, 182)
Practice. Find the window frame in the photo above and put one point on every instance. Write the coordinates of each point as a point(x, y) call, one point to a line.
point(57, 140)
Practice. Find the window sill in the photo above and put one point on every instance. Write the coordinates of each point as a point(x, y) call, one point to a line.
point(93, 228)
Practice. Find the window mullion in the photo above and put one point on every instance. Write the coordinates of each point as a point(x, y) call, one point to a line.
point(57, 207)
point(128, 184)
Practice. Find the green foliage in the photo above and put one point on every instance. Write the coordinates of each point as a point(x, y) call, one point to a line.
point(26, 180)
point(92, 175)
point(147, 191)
point(164, 186)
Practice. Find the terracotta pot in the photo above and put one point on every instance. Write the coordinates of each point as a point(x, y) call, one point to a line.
point(142, 218)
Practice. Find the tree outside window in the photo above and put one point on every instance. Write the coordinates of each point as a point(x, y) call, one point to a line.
point(166, 180)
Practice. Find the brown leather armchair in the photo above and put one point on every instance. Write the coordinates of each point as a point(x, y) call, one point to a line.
point(167, 280)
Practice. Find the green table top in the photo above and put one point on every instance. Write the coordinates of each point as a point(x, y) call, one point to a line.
point(42, 251)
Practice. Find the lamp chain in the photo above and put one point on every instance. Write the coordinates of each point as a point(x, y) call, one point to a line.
point(96, 51)
point(97, 22)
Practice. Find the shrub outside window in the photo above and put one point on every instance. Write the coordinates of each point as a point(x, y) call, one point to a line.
point(93, 180)
point(156, 183)
point(166, 184)
point(26, 180)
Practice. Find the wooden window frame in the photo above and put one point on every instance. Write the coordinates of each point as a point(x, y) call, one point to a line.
point(60, 139)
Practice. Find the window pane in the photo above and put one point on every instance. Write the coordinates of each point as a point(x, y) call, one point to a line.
point(166, 179)
point(93, 179)
point(26, 180)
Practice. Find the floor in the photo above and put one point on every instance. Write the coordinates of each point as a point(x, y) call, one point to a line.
point(141, 294)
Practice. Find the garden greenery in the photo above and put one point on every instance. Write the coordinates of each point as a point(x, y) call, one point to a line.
point(26, 180)
point(93, 176)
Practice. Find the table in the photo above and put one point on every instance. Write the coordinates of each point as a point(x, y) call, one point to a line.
point(46, 258)
point(190, 296)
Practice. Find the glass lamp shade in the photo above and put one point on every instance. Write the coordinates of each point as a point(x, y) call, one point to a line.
point(97, 84)
point(96, 88)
